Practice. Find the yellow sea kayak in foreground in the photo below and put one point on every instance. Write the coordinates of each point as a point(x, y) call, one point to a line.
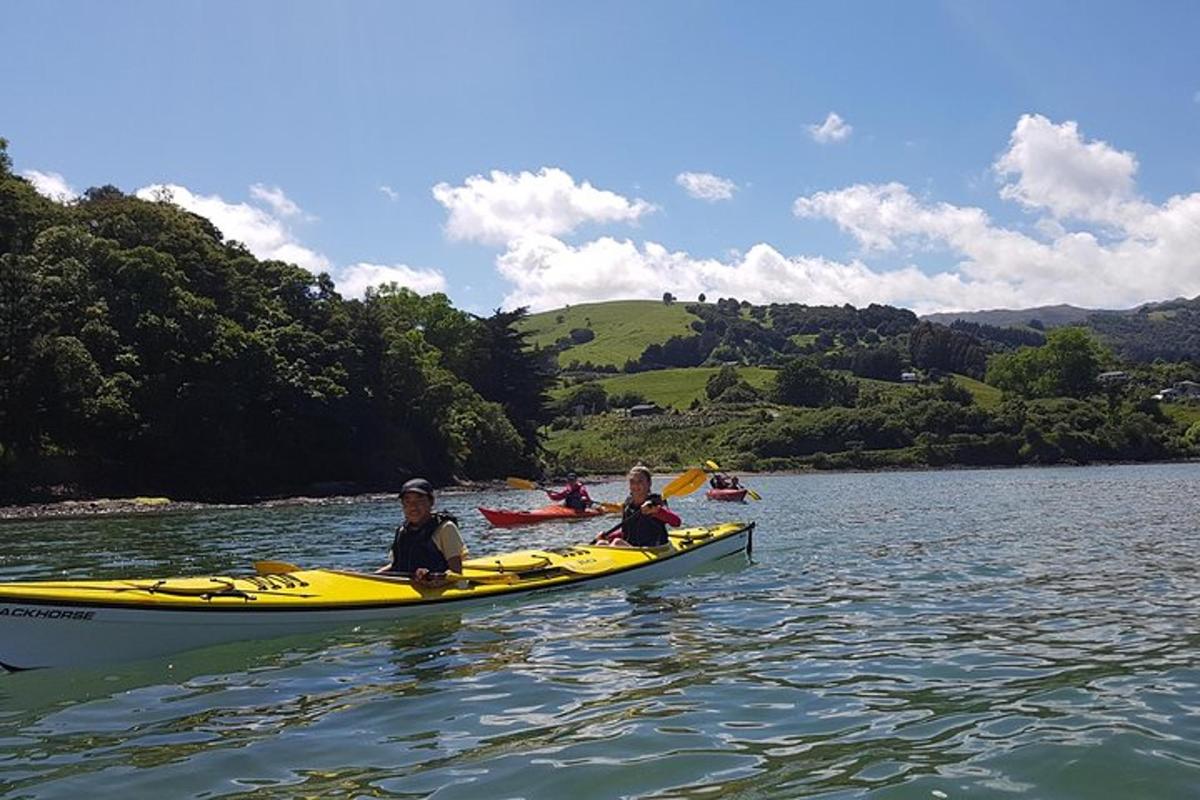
point(79, 623)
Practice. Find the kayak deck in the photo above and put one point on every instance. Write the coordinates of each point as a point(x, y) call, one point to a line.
point(501, 517)
point(315, 589)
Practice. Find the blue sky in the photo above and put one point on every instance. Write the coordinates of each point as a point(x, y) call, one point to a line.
point(931, 155)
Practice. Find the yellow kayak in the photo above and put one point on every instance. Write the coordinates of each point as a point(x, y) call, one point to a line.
point(79, 623)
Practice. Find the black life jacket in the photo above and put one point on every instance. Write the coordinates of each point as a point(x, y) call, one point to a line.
point(574, 498)
point(642, 530)
point(413, 548)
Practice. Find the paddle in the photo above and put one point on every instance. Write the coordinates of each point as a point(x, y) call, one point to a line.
point(525, 483)
point(713, 466)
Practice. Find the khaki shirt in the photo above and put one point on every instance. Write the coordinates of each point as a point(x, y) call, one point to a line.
point(447, 539)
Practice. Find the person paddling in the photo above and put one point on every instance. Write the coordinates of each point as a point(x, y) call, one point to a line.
point(644, 517)
point(428, 544)
point(574, 495)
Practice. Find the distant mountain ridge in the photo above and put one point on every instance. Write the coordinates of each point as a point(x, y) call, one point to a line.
point(1049, 316)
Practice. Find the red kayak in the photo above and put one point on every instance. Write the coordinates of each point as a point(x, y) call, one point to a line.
point(732, 495)
point(504, 516)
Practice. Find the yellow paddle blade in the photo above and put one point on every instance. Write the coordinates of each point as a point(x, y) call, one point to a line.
point(686, 483)
point(753, 494)
point(610, 508)
point(712, 465)
point(520, 483)
point(274, 567)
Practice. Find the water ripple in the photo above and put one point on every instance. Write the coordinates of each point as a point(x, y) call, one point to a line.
point(985, 633)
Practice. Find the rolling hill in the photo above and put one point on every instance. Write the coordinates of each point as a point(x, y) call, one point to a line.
point(623, 329)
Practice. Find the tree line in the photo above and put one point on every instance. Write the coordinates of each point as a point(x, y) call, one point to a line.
point(145, 353)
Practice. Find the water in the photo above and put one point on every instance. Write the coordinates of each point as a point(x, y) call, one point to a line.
point(1018, 633)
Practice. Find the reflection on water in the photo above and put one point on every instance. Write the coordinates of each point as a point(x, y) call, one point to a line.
point(985, 633)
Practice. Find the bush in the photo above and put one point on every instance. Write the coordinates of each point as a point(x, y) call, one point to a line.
point(582, 335)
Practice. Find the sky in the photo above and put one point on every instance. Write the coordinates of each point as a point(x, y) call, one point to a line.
point(931, 155)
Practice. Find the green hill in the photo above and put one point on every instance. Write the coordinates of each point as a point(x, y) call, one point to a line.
point(623, 329)
point(677, 387)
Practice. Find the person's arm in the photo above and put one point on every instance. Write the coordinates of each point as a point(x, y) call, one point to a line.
point(662, 514)
point(587, 498)
point(560, 495)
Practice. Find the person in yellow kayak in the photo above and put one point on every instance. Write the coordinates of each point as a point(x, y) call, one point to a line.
point(428, 544)
point(644, 517)
point(574, 495)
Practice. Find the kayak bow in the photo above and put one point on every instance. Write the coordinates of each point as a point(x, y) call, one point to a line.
point(83, 623)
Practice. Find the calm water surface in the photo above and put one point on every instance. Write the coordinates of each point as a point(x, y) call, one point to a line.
point(1019, 633)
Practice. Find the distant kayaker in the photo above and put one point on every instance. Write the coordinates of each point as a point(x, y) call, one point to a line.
point(644, 517)
point(428, 543)
point(574, 495)
point(719, 480)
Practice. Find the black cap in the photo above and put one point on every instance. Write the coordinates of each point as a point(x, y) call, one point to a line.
point(417, 486)
point(570, 476)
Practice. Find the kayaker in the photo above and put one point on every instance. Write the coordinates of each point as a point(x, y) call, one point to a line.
point(428, 543)
point(719, 480)
point(574, 495)
point(644, 517)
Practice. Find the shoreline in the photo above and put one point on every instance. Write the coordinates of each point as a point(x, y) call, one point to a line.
point(138, 506)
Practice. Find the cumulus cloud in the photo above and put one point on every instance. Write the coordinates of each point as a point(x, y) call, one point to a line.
point(547, 273)
point(52, 185)
point(503, 206)
point(274, 197)
point(354, 280)
point(389, 193)
point(263, 234)
point(1151, 252)
point(833, 129)
point(1143, 252)
point(1057, 171)
point(706, 186)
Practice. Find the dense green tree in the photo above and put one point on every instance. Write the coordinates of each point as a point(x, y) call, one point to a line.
point(1066, 366)
point(802, 382)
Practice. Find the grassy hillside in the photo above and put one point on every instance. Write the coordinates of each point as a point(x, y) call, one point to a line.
point(677, 387)
point(623, 329)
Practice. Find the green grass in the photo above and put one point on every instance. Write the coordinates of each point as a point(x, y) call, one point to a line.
point(986, 396)
point(623, 329)
point(677, 387)
point(610, 443)
point(1185, 414)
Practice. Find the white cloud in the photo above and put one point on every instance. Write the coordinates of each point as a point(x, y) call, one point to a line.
point(390, 193)
point(263, 234)
point(354, 280)
point(548, 273)
point(504, 207)
point(706, 186)
point(52, 185)
point(1147, 251)
point(1058, 171)
point(833, 129)
point(274, 197)
point(1155, 253)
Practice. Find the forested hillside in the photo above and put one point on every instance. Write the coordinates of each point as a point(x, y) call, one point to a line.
point(144, 353)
